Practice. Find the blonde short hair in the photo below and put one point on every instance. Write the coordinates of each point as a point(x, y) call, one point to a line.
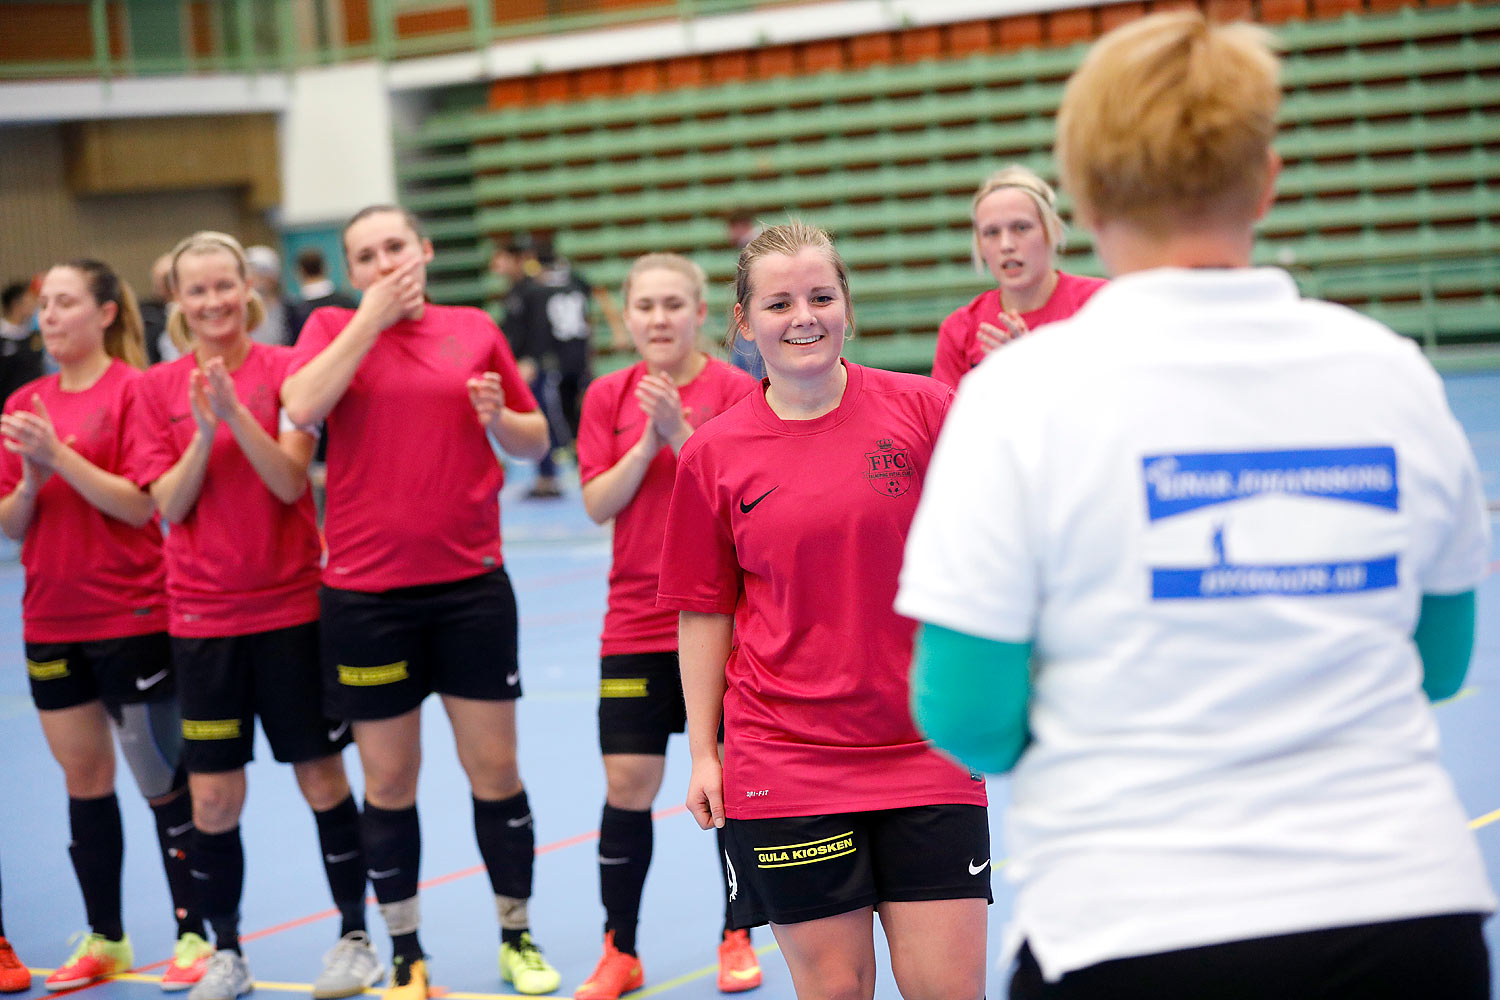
point(787, 240)
point(1039, 191)
point(207, 241)
point(689, 269)
point(1169, 121)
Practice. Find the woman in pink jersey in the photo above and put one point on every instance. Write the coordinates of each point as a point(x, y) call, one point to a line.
point(415, 596)
point(833, 806)
point(229, 475)
point(1016, 233)
point(635, 422)
point(94, 614)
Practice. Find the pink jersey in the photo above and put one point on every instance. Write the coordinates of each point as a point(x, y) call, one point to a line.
point(797, 528)
point(958, 347)
point(241, 561)
point(611, 425)
point(88, 576)
point(413, 483)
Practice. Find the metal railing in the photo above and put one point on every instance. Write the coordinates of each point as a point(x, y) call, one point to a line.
point(259, 36)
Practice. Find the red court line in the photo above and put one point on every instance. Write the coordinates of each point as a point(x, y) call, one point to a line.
point(462, 873)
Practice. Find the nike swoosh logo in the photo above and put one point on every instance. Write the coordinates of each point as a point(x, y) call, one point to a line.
point(620, 430)
point(334, 859)
point(516, 824)
point(334, 734)
point(976, 869)
point(374, 875)
point(177, 831)
point(511, 680)
point(746, 508)
point(147, 683)
point(177, 418)
point(613, 861)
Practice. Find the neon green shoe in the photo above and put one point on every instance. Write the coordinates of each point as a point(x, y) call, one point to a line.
point(523, 966)
point(96, 957)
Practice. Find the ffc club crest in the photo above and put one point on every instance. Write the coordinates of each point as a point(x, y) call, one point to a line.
point(888, 469)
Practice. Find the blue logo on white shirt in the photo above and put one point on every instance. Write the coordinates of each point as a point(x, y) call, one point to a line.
point(1180, 484)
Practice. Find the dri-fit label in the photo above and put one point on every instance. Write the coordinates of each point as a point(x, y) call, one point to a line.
point(1182, 484)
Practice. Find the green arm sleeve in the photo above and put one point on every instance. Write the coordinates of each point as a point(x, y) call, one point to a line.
point(969, 696)
point(1445, 641)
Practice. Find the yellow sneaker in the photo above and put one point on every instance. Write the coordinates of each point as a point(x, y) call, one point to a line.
point(523, 966)
point(408, 980)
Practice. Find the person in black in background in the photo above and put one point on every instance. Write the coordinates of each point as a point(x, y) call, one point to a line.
point(159, 346)
point(547, 323)
point(317, 289)
point(20, 341)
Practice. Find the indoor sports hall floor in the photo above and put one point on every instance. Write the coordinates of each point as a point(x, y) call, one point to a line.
point(558, 560)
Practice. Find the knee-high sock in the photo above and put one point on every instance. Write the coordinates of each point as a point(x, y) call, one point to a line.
point(218, 861)
point(98, 853)
point(507, 843)
point(174, 833)
point(344, 862)
point(625, 842)
point(392, 842)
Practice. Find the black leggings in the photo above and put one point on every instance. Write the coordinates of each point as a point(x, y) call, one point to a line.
point(1428, 958)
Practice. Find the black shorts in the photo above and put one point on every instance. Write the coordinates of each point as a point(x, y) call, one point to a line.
point(640, 702)
point(385, 652)
point(225, 683)
point(1439, 957)
point(808, 867)
point(136, 668)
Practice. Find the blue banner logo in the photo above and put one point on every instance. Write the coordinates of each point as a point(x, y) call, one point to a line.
point(1176, 484)
point(1180, 484)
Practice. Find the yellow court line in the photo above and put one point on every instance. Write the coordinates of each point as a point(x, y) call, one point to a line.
point(1485, 820)
point(1459, 695)
point(437, 990)
point(672, 984)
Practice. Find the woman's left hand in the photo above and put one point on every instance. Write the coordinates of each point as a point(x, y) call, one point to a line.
point(659, 401)
point(487, 397)
point(32, 435)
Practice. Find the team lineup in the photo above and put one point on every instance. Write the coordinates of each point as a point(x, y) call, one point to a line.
point(855, 591)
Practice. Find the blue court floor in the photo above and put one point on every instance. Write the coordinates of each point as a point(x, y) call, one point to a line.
point(558, 560)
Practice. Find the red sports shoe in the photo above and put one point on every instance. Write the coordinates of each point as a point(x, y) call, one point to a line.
point(616, 973)
point(14, 977)
point(739, 969)
point(189, 962)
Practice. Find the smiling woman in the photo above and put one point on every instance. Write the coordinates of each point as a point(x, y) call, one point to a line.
point(229, 473)
point(832, 806)
point(95, 620)
point(1017, 231)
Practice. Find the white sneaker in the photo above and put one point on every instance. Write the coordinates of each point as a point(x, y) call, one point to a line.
point(349, 968)
point(226, 978)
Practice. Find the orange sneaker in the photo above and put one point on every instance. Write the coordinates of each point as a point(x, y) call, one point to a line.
point(616, 973)
point(96, 957)
point(14, 977)
point(739, 969)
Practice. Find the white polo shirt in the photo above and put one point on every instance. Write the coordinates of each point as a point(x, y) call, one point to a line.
point(1214, 508)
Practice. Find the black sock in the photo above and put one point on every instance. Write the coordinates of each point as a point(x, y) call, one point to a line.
point(406, 947)
point(507, 843)
point(98, 853)
point(625, 841)
point(2, 916)
point(174, 832)
point(392, 843)
point(724, 871)
point(219, 867)
point(344, 862)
